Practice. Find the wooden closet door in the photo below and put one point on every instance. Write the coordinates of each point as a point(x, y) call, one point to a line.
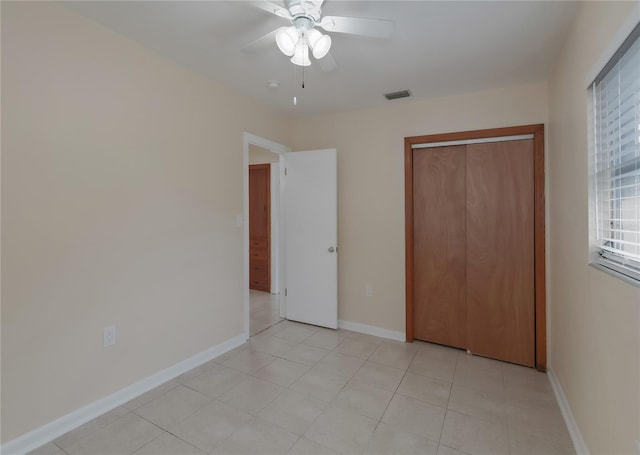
point(259, 227)
point(500, 251)
point(439, 245)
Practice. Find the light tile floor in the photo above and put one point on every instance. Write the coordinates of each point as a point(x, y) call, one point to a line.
point(301, 389)
point(264, 311)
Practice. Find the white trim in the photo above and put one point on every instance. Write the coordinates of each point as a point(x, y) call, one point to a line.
point(252, 139)
point(372, 330)
point(427, 145)
point(578, 442)
point(274, 175)
point(64, 424)
point(282, 266)
point(624, 30)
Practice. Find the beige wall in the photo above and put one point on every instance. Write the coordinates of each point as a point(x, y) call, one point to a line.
point(258, 155)
point(370, 146)
point(595, 318)
point(121, 179)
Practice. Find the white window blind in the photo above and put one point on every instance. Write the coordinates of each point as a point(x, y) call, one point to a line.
point(616, 115)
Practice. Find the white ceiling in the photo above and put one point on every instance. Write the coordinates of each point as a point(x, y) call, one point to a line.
point(438, 47)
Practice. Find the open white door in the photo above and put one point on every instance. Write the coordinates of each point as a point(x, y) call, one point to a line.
point(311, 237)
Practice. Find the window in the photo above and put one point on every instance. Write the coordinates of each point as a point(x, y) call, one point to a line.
point(616, 161)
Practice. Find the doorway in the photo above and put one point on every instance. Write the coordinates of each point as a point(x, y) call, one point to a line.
point(264, 296)
point(264, 305)
point(475, 242)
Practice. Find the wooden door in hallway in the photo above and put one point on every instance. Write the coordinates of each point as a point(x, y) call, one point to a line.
point(260, 227)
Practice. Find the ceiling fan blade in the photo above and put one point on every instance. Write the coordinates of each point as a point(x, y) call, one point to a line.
point(327, 63)
point(375, 28)
point(271, 8)
point(261, 43)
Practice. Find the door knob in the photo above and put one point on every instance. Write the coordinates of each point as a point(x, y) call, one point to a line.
point(331, 249)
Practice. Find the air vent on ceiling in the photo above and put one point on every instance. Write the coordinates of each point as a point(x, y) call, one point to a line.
point(396, 95)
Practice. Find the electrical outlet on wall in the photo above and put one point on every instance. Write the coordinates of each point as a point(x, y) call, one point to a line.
point(109, 336)
point(368, 290)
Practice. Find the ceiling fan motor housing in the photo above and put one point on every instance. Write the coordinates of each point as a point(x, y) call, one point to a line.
point(308, 9)
point(303, 23)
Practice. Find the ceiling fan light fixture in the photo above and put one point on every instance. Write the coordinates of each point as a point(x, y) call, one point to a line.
point(319, 43)
point(301, 55)
point(287, 40)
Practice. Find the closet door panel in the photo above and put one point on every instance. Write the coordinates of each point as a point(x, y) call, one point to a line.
point(500, 251)
point(439, 245)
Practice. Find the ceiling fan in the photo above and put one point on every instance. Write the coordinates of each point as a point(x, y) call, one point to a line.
point(302, 35)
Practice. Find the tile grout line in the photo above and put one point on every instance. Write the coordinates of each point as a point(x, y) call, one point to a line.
point(347, 383)
point(296, 441)
point(475, 390)
point(59, 447)
point(183, 440)
point(236, 428)
point(91, 433)
point(446, 409)
point(279, 356)
point(217, 399)
point(328, 403)
point(406, 370)
point(506, 415)
point(163, 431)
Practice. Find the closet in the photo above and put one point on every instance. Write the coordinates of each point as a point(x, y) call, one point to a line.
point(475, 220)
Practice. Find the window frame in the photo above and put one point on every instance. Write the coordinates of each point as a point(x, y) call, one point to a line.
point(625, 268)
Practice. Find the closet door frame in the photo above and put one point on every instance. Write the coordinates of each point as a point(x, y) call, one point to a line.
point(539, 223)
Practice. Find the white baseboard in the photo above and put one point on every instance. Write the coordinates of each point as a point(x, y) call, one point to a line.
point(58, 427)
point(578, 442)
point(372, 330)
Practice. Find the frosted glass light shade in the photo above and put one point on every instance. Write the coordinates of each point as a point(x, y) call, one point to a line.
point(319, 43)
point(286, 40)
point(301, 55)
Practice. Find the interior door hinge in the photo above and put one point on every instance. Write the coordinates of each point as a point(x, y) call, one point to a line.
point(285, 171)
point(285, 292)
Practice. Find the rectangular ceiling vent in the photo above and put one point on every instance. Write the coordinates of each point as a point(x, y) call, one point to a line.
point(396, 95)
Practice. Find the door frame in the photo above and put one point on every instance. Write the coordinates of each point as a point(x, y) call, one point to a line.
point(279, 149)
point(539, 223)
